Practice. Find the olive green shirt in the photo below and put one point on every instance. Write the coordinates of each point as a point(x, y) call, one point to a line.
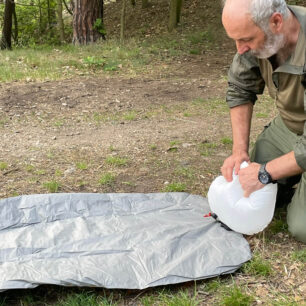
point(249, 75)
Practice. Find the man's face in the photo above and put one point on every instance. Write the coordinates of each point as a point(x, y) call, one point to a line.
point(272, 44)
point(249, 37)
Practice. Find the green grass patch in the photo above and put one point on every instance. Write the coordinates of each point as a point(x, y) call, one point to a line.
point(29, 168)
point(226, 141)
point(81, 165)
point(3, 166)
point(212, 286)
point(184, 172)
point(235, 296)
point(258, 266)
point(107, 179)
point(207, 148)
point(135, 55)
point(182, 298)
point(130, 116)
point(299, 255)
point(198, 101)
point(277, 226)
point(52, 186)
point(58, 172)
point(175, 187)
point(86, 299)
point(116, 161)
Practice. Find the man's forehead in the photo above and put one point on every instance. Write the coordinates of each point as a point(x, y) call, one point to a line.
point(236, 7)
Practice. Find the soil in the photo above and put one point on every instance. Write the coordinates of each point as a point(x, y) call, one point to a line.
point(169, 126)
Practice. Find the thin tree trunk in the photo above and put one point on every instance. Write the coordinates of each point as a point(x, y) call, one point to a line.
point(123, 17)
point(40, 18)
point(179, 10)
point(60, 22)
point(49, 14)
point(175, 13)
point(6, 40)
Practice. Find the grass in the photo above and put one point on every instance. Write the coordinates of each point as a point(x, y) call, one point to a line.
point(107, 179)
point(207, 148)
point(50, 63)
point(182, 298)
point(52, 186)
point(3, 165)
point(299, 256)
point(85, 299)
point(175, 187)
point(185, 172)
point(226, 141)
point(81, 165)
point(258, 266)
point(236, 296)
point(116, 161)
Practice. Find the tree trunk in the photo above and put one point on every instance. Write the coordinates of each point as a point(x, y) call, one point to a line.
point(145, 3)
point(60, 22)
point(179, 10)
point(49, 14)
point(175, 13)
point(15, 34)
point(123, 15)
point(40, 18)
point(6, 40)
point(85, 14)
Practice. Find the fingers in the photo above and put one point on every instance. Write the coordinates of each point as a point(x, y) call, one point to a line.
point(227, 170)
point(237, 167)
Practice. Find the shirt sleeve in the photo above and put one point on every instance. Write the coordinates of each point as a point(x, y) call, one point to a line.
point(244, 80)
point(300, 147)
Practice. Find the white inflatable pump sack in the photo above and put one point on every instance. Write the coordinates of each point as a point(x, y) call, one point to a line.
point(243, 215)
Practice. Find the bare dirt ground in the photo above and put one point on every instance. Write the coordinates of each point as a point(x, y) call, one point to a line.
point(169, 127)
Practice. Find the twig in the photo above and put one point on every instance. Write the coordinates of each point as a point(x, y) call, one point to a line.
point(9, 171)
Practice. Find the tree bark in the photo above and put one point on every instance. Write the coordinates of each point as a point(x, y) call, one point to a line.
point(175, 13)
point(60, 22)
point(6, 40)
point(15, 34)
point(179, 10)
point(85, 14)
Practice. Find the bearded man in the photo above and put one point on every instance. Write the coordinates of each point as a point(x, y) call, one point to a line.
point(270, 40)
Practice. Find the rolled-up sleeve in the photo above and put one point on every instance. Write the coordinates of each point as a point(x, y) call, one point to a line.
point(244, 80)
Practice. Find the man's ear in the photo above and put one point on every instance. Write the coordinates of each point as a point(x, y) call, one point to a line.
point(276, 23)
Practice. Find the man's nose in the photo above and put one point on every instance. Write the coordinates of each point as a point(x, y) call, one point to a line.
point(242, 47)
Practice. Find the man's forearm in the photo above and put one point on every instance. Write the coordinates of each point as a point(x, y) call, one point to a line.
point(241, 123)
point(284, 166)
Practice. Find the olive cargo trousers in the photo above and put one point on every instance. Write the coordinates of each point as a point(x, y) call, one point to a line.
point(275, 141)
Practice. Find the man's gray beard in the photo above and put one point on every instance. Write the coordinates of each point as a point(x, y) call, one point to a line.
point(273, 43)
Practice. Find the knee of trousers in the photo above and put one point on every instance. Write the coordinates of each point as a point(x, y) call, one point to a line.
point(264, 151)
point(296, 215)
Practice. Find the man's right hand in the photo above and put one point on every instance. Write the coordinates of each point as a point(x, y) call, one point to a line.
point(233, 162)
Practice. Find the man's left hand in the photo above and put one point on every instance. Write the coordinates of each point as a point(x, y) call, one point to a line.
point(248, 178)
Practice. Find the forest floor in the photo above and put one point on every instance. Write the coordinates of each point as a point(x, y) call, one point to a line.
point(164, 127)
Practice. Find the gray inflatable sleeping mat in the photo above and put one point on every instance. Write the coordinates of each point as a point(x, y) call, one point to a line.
point(130, 241)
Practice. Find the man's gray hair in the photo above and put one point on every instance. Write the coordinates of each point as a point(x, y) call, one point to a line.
point(262, 10)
